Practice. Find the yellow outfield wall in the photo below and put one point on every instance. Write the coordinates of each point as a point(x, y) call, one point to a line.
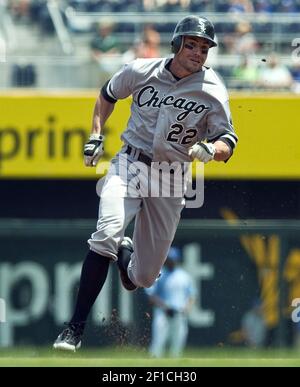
point(42, 135)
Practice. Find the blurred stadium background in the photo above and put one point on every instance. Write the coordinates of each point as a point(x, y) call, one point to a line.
point(242, 246)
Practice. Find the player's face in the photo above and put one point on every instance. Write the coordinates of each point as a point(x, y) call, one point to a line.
point(193, 54)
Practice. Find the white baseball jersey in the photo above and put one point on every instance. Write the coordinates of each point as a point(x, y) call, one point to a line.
point(169, 115)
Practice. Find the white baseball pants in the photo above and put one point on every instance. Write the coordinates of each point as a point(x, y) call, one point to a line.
point(156, 220)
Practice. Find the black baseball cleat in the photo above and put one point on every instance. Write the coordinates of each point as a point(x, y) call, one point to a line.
point(125, 250)
point(70, 338)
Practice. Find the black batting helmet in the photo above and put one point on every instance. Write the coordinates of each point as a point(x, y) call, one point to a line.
point(193, 26)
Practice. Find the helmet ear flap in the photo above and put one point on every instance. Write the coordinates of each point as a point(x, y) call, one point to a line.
point(177, 44)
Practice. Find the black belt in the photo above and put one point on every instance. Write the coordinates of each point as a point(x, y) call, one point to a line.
point(141, 157)
point(147, 160)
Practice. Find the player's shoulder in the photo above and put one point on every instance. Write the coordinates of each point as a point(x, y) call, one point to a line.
point(214, 85)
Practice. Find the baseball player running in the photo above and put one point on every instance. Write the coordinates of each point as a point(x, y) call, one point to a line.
point(179, 112)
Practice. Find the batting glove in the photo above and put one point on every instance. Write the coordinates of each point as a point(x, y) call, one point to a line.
point(202, 151)
point(93, 150)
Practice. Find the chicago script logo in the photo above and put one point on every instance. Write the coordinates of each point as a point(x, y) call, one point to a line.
point(148, 96)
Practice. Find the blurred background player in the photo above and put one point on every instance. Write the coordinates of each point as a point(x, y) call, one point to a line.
point(105, 51)
point(172, 295)
point(149, 44)
point(146, 46)
point(253, 326)
point(104, 42)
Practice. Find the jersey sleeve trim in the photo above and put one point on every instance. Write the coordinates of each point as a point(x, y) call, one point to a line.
point(107, 93)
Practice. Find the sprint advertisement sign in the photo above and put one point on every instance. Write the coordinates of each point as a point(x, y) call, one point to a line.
point(39, 289)
point(42, 136)
point(39, 283)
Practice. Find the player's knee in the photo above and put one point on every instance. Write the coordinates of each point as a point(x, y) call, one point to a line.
point(144, 280)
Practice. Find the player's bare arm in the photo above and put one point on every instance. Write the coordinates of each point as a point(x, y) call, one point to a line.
point(102, 111)
point(223, 151)
point(93, 149)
